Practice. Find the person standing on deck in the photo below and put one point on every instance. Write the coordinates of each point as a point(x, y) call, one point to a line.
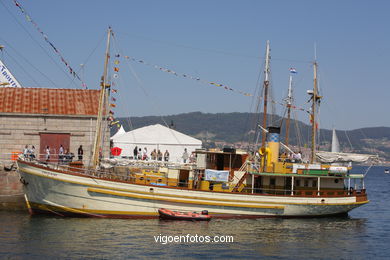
point(166, 156)
point(25, 151)
point(135, 153)
point(61, 153)
point(47, 151)
point(185, 155)
point(145, 154)
point(32, 153)
point(80, 153)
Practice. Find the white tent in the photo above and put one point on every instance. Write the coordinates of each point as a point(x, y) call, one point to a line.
point(157, 137)
point(120, 132)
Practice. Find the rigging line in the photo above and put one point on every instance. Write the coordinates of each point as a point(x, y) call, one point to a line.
point(127, 119)
point(369, 143)
point(140, 84)
point(252, 120)
point(28, 62)
point(89, 56)
point(29, 34)
point(349, 141)
point(172, 72)
point(210, 50)
point(21, 67)
point(45, 37)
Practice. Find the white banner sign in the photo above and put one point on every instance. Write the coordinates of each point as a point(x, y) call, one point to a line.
point(214, 175)
point(6, 78)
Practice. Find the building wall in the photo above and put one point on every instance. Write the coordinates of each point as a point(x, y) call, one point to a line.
point(18, 130)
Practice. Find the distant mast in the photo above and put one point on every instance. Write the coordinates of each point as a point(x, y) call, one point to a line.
point(289, 100)
point(266, 86)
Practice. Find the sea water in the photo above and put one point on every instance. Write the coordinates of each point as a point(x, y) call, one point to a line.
point(364, 234)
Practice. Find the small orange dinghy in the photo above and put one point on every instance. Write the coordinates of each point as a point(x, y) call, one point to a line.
point(176, 215)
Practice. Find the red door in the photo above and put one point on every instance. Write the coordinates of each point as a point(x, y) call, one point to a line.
point(54, 141)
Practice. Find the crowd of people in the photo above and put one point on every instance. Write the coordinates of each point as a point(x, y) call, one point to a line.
point(157, 155)
point(64, 155)
point(292, 157)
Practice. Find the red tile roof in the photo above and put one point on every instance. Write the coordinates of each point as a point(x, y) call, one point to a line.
point(49, 101)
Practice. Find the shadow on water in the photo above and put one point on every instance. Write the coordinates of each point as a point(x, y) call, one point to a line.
point(361, 235)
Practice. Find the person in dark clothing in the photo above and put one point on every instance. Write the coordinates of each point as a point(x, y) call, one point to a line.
point(80, 153)
point(135, 152)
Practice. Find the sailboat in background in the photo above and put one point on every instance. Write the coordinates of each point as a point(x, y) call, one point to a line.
point(335, 142)
point(337, 157)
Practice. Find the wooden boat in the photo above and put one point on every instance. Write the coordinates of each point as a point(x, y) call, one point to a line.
point(228, 183)
point(177, 215)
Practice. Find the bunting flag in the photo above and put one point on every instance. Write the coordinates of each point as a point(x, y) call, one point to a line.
point(188, 76)
point(111, 118)
point(29, 19)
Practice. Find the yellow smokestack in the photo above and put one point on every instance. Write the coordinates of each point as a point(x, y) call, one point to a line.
point(273, 143)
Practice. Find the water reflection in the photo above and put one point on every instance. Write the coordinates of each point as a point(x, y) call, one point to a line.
point(362, 235)
point(109, 238)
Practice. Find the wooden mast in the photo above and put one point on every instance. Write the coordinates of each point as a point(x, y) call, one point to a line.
point(265, 85)
point(315, 98)
point(102, 101)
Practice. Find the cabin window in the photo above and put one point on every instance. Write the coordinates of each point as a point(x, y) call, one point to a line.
point(272, 182)
point(314, 183)
point(306, 183)
point(297, 182)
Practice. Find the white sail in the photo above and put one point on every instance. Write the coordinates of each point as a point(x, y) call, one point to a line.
point(6, 77)
point(335, 143)
point(330, 157)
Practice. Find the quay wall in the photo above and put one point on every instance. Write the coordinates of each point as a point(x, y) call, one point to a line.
point(11, 191)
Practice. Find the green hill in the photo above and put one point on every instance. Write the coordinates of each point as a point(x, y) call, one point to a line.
point(232, 128)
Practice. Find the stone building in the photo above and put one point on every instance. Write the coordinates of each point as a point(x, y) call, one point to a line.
point(48, 117)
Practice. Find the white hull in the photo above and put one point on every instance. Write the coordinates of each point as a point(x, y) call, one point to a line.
point(48, 190)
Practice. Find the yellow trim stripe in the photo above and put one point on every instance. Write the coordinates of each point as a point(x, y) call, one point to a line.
point(211, 203)
point(184, 196)
point(90, 211)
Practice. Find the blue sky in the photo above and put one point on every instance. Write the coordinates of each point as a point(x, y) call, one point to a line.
point(217, 41)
